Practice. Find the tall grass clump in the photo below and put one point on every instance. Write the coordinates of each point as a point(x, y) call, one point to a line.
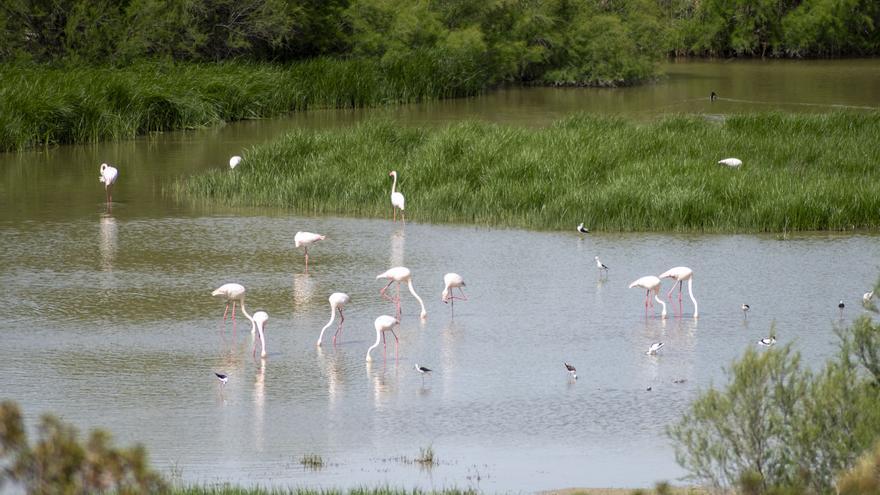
point(800, 173)
point(41, 105)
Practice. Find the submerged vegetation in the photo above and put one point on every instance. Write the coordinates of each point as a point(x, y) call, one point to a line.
point(799, 173)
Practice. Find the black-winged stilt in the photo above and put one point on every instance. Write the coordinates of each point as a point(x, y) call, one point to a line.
point(601, 266)
point(656, 346)
point(571, 370)
point(582, 229)
point(767, 341)
point(713, 96)
point(745, 309)
point(223, 378)
point(423, 371)
point(840, 306)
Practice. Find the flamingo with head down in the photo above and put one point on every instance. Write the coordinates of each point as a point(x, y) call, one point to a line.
point(651, 284)
point(680, 274)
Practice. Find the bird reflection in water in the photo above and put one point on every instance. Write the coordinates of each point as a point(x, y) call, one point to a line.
point(108, 242)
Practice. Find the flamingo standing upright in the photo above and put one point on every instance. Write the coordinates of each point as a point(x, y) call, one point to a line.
point(680, 274)
point(108, 177)
point(453, 280)
point(651, 284)
point(383, 324)
point(337, 301)
point(400, 274)
point(397, 199)
point(233, 293)
point(304, 240)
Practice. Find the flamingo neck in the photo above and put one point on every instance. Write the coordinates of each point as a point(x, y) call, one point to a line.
point(412, 291)
point(332, 317)
point(394, 184)
point(663, 304)
point(378, 339)
point(262, 341)
point(248, 316)
point(691, 293)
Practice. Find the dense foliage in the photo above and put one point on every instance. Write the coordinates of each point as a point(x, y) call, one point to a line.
point(59, 463)
point(780, 427)
point(800, 172)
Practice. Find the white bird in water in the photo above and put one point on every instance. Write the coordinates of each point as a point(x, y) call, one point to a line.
point(222, 378)
point(233, 293)
point(745, 309)
point(582, 229)
point(651, 284)
point(767, 341)
point(108, 178)
point(656, 346)
point(423, 371)
point(680, 274)
point(398, 202)
point(867, 296)
point(259, 321)
point(571, 370)
point(841, 306)
point(452, 281)
point(601, 266)
point(234, 161)
point(731, 162)
point(383, 324)
point(306, 239)
point(400, 274)
point(337, 301)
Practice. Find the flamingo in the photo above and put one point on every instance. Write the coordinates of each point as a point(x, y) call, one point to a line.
point(258, 322)
point(337, 301)
point(680, 274)
point(234, 161)
point(400, 274)
point(651, 284)
point(453, 280)
point(397, 199)
point(233, 293)
point(108, 178)
point(731, 162)
point(305, 239)
point(382, 324)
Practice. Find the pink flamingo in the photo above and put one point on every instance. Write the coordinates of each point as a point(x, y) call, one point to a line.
point(305, 239)
point(383, 324)
point(258, 323)
point(108, 178)
point(397, 199)
point(233, 293)
point(337, 301)
point(651, 284)
point(453, 280)
point(680, 274)
point(400, 274)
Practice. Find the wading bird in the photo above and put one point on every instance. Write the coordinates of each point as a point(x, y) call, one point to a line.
point(571, 370)
point(397, 199)
point(767, 341)
point(731, 162)
point(713, 96)
point(337, 301)
point(582, 229)
point(745, 309)
point(233, 293)
point(601, 266)
point(400, 274)
point(651, 284)
point(841, 306)
point(680, 274)
point(656, 346)
point(452, 281)
point(222, 378)
point(234, 161)
point(108, 178)
point(382, 324)
point(423, 371)
point(867, 296)
point(258, 321)
point(306, 239)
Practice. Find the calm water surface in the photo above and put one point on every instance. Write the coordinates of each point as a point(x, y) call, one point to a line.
point(109, 320)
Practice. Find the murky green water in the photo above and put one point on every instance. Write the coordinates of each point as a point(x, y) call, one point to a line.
point(109, 320)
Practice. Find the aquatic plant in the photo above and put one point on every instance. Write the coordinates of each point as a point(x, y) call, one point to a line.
point(800, 173)
point(312, 461)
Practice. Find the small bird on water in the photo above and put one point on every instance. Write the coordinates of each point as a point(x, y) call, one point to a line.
point(713, 96)
point(223, 378)
point(571, 370)
point(601, 266)
point(745, 309)
point(656, 346)
point(767, 341)
point(582, 229)
point(840, 306)
point(423, 371)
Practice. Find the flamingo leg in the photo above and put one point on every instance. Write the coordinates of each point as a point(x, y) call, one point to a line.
point(383, 345)
point(233, 311)
point(403, 217)
point(647, 296)
point(397, 300)
point(225, 311)
point(394, 213)
point(396, 345)
point(307, 258)
point(339, 326)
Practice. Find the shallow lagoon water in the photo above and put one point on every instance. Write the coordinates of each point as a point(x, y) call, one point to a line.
point(109, 322)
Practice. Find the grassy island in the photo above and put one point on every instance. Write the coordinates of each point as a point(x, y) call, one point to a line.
point(799, 173)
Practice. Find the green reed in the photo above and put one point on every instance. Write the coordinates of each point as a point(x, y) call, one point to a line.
point(234, 490)
point(800, 173)
point(47, 106)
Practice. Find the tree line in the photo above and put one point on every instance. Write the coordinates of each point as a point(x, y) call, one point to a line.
point(597, 42)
